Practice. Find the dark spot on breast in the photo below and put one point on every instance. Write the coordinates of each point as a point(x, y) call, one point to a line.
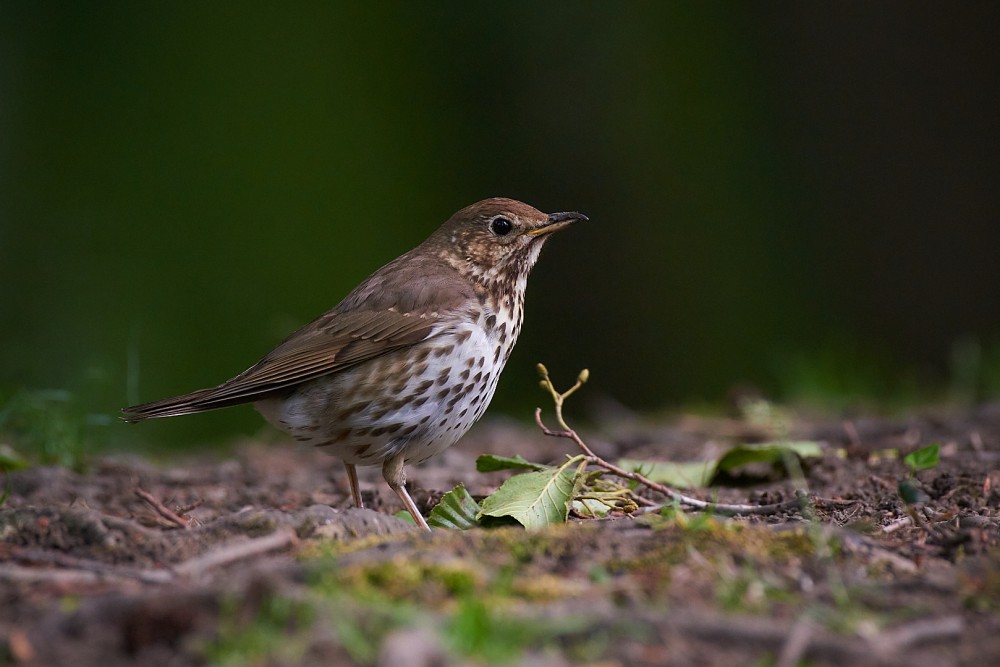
point(491, 322)
point(424, 386)
point(444, 375)
point(464, 374)
point(350, 410)
point(342, 434)
point(400, 402)
point(444, 392)
point(444, 351)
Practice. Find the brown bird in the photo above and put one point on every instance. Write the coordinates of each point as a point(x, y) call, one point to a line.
point(402, 367)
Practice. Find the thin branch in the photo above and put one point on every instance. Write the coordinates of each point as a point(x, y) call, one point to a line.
point(567, 433)
point(895, 640)
point(676, 496)
point(896, 525)
point(21, 574)
point(236, 551)
point(71, 571)
point(165, 512)
point(797, 643)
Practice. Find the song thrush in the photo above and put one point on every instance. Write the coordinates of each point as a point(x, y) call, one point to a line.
point(409, 360)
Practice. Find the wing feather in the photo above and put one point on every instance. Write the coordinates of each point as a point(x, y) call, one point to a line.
point(400, 305)
point(333, 343)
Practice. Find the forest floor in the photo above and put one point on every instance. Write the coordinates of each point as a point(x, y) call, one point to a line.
point(254, 558)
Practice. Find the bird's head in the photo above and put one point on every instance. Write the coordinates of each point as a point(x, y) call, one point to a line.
point(498, 238)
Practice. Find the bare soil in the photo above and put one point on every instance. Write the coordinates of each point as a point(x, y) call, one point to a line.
point(256, 558)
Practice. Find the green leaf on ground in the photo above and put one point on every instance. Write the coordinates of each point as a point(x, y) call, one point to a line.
point(767, 452)
point(405, 516)
point(590, 507)
point(682, 475)
point(536, 499)
point(458, 510)
point(694, 474)
point(911, 493)
point(924, 458)
point(492, 463)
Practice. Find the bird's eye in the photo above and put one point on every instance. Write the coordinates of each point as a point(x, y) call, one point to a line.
point(501, 226)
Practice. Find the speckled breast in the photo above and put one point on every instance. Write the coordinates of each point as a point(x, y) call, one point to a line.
point(423, 398)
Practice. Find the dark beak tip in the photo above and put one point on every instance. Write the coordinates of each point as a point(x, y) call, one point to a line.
point(567, 217)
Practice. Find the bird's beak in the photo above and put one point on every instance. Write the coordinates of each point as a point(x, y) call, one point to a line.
point(557, 221)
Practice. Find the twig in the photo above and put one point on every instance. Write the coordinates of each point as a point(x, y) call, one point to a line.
point(232, 552)
point(796, 644)
point(72, 570)
point(163, 510)
point(676, 496)
point(559, 398)
point(891, 642)
point(33, 575)
point(77, 571)
point(822, 645)
point(185, 509)
point(896, 525)
point(855, 543)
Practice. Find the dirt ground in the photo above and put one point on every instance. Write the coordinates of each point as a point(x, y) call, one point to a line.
point(255, 559)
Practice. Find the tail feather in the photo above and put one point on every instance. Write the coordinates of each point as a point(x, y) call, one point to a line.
point(202, 400)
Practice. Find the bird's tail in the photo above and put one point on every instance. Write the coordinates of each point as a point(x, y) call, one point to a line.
point(202, 400)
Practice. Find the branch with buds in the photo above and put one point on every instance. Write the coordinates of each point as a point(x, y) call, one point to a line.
point(564, 431)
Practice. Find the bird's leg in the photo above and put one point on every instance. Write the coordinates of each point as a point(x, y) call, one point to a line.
point(352, 479)
point(395, 477)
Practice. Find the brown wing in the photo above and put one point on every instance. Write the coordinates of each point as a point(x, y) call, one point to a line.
point(399, 305)
point(331, 343)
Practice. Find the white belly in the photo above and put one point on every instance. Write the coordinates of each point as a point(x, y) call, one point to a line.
point(370, 412)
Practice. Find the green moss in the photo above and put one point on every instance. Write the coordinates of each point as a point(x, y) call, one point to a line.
point(48, 427)
point(276, 630)
point(258, 524)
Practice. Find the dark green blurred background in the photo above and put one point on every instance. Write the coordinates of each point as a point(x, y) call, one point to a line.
point(799, 196)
